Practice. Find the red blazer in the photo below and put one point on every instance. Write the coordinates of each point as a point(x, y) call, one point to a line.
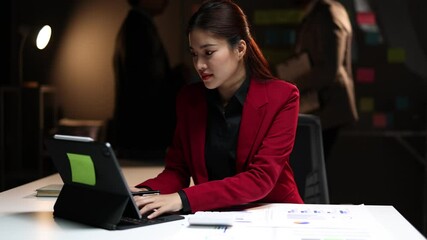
point(265, 141)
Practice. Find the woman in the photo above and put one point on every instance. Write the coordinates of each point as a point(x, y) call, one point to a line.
point(235, 129)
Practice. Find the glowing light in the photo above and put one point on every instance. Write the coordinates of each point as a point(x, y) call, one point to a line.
point(43, 37)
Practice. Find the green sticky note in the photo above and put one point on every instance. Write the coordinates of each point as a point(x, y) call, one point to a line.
point(366, 104)
point(277, 16)
point(82, 169)
point(396, 55)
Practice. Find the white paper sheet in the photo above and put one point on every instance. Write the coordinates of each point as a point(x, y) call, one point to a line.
point(294, 221)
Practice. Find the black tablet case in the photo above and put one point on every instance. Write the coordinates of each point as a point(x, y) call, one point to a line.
point(102, 204)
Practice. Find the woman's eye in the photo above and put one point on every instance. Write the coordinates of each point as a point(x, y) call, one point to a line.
point(209, 53)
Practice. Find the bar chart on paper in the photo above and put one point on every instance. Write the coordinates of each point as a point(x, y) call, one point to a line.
point(296, 222)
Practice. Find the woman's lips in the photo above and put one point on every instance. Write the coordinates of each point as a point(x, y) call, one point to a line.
point(206, 76)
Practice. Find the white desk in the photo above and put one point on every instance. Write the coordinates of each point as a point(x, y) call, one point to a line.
point(24, 216)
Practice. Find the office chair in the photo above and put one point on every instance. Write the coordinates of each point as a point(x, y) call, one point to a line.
point(307, 161)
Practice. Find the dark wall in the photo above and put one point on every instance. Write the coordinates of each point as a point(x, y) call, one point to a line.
point(5, 41)
point(370, 164)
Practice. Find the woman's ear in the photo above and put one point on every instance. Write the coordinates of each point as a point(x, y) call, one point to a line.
point(241, 48)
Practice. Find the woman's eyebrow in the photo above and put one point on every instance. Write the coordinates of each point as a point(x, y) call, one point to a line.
point(204, 46)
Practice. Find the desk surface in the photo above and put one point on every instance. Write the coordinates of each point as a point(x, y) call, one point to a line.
point(25, 216)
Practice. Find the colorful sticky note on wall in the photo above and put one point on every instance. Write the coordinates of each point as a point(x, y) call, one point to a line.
point(362, 6)
point(396, 55)
point(271, 37)
point(279, 37)
point(373, 38)
point(289, 36)
point(365, 75)
point(402, 103)
point(382, 120)
point(277, 16)
point(275, 56)
point(366, 104)
point(366, 18)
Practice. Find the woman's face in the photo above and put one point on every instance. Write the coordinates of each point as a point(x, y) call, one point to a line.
point(218, 65)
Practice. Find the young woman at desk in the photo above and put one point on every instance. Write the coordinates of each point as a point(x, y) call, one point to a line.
point(235, 129)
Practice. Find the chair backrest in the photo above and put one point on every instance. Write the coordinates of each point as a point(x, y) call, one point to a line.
point(307, 161)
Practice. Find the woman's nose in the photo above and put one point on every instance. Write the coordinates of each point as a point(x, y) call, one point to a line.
point(200, 65)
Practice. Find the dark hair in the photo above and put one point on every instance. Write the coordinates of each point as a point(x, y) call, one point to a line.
point(226, 19)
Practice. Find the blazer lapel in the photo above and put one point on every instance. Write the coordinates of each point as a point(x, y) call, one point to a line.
point(197, 130)
point(252, 117)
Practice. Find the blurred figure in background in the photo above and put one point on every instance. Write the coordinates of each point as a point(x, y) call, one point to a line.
point(321, 67)
point(144, 115)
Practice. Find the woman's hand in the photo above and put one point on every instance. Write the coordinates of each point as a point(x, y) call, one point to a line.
point(158, 204)
point(134, 189)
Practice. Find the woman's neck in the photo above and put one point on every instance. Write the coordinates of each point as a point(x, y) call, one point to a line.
point(228, 89)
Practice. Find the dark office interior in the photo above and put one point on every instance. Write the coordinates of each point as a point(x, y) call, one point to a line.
point(381, 160)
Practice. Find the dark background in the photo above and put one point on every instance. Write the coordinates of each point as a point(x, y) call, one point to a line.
point(380, 161)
